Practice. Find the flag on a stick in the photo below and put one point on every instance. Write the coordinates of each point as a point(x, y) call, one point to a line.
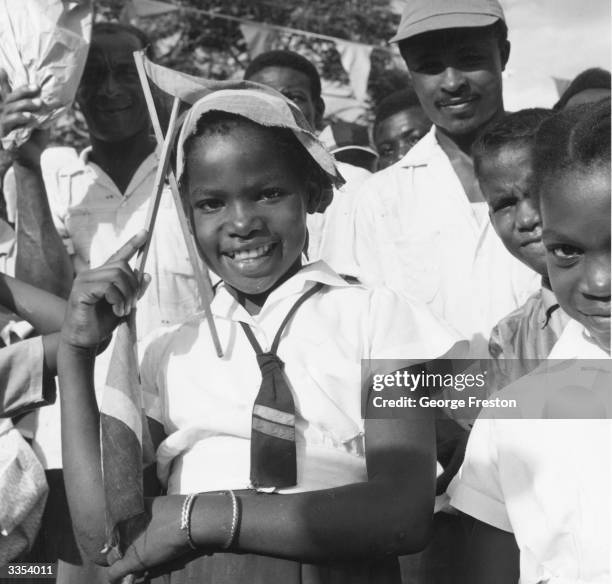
point(124, 437)
point(202, 278)
point(161, 87)
point(158, 186)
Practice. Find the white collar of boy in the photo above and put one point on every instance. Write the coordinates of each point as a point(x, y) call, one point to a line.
point(225, 306)
point(575, 342)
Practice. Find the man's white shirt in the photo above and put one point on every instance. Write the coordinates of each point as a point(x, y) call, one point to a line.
point(415, 231)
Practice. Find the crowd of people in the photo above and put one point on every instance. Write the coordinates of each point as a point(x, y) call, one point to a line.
point(468, 233)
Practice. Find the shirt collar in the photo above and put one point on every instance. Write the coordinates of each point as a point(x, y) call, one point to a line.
point(76, 165)
point(224, 305)
point(421, 153)
point(150, 160)
point(575, 342)
point(84, 155)
point(82, 163)
point(548, 298)
point(549, 304)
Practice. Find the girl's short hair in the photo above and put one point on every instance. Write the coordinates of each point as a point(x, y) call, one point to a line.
point(215, 123)
point(577, 139)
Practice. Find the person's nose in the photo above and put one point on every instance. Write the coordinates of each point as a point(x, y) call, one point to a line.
point(527, 215)
point(453, 80)
point(595, 282)
point(111, 86)
point(243, 220)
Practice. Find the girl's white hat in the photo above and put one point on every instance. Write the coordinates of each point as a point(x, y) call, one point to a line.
point(264, 106)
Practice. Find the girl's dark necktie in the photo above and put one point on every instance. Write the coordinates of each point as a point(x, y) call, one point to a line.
point(273, 454)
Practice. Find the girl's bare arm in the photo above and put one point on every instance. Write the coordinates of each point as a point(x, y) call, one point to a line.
point(390, 514)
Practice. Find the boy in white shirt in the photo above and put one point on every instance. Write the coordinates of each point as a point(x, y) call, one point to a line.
point(421, 226)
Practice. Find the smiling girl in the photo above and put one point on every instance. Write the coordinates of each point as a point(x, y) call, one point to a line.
point(265, 456)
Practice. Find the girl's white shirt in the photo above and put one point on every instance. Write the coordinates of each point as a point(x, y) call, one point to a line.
point(205, 403)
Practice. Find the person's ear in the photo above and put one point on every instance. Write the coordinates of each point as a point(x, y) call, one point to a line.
point(319, 111)
point(505, 54)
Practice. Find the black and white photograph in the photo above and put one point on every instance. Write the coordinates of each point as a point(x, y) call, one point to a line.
point(305, 292)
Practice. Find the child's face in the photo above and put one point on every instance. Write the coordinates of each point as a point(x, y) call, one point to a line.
point(505, 180)
point(295, 86)
point(575, 208)
point(248, 207)
point(398, 133)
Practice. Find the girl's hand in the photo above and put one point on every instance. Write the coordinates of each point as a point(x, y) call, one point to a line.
point(161, 541)
point(101, 297)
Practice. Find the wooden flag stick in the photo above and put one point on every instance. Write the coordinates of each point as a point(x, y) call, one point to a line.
point(201, 276)
point(162, 168)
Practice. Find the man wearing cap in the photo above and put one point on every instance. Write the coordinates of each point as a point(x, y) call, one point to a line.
point(421, 225)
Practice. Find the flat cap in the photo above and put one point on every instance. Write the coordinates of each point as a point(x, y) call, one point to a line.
point(422, 16)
